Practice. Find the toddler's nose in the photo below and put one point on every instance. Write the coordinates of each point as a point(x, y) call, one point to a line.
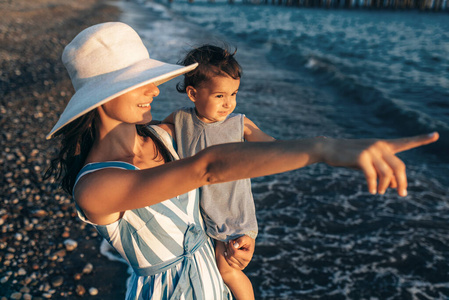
point(227, 103)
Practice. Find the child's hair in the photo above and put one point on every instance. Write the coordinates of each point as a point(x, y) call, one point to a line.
point(212, 61)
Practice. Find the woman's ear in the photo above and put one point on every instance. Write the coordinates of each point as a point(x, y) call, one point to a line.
point(191, 93)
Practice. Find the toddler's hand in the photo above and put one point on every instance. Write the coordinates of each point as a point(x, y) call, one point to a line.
point(239, 252)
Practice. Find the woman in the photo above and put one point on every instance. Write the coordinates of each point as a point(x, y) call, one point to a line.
point(126, 182)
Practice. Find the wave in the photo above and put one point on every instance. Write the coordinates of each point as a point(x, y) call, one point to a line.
point(387, 108)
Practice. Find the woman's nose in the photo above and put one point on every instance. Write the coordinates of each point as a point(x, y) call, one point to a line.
point(152, 89)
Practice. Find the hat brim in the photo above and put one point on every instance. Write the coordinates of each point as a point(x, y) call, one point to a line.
point(101, 89)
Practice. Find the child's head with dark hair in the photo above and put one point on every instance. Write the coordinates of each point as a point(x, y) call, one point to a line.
point(212, 61)
point(214, 84)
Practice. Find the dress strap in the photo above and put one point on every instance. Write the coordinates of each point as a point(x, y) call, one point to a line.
point(166, 138)
point(92, 167)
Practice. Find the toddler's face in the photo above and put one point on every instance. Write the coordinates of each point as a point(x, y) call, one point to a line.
point(216, 99)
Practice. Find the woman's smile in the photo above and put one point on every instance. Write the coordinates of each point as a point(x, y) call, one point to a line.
point(144, 105)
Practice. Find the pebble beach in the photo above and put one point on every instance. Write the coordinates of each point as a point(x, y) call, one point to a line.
point(45, 251)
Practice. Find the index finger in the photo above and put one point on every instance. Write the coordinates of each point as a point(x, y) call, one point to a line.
point(403, 144)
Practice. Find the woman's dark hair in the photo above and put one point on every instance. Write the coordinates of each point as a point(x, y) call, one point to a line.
point(77, 141)
point(212, 61)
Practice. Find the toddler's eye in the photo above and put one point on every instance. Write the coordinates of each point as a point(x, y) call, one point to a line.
point(219, 96)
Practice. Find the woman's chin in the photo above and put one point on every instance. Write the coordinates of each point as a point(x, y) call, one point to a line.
point(147, 118)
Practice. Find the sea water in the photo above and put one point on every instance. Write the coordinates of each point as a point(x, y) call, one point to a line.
point(340, 73)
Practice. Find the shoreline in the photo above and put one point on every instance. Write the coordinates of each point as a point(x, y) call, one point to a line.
point(46, 252)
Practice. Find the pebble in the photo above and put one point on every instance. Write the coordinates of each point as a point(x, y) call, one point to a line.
point(18, 236)
point(39, 213)
point(77, 276)
point(34, 152)
point(80, 290)
point(45, 287)
point(93, 291)
point(88, 268)
point(16, 296)
point(27, 280)
point(52, 257)
point(39, 227)
point(22, 272)
point(60, 253)
point(57, 281)
point(70, 244)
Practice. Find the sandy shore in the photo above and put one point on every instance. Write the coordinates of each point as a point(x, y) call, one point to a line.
point(45, 251)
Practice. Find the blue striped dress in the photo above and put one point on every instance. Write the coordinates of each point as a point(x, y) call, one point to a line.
point(165, 244)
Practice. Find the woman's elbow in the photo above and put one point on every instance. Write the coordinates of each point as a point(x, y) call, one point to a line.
point(207, 168)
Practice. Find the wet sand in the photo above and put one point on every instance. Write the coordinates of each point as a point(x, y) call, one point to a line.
point(46, 252)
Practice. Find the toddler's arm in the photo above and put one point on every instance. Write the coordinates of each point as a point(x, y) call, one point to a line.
point(252, 133)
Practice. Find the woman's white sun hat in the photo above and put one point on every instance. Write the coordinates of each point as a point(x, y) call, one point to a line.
point(105, 61)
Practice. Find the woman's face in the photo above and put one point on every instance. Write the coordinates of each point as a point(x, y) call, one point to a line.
point(216, 99)
point(133, 107)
